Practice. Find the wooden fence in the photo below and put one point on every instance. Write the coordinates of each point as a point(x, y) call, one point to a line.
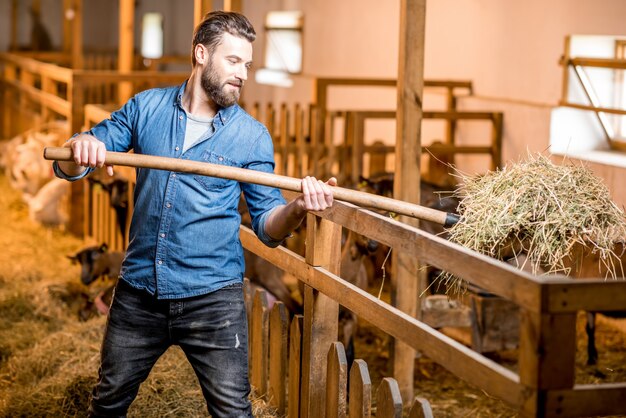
point(544, 384)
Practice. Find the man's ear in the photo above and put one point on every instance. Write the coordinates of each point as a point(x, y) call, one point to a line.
point(201, 54)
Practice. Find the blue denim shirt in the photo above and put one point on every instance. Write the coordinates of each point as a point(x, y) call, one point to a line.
point(184, 235)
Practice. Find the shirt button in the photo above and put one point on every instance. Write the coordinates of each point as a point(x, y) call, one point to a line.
point(160, 261)
point(180, 117)
point(177, 148)
point(162, 235)
point(168, 205)
point(221, 158)
point(174, 175)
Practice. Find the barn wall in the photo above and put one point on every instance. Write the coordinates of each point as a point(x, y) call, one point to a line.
point(510, 50)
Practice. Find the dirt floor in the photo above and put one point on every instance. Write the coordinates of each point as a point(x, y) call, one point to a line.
point(49, 359)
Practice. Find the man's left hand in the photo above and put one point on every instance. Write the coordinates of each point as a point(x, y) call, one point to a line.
point(317, 195)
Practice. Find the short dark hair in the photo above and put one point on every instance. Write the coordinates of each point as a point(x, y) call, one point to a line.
point(210, 31)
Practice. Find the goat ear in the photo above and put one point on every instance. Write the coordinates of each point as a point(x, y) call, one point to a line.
point(73, 258)
point(104, 247)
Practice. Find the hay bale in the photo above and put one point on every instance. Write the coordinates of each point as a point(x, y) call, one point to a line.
point(547, 212)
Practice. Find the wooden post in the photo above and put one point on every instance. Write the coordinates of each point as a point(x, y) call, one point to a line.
point(13, 44)
point(79, 188)
point(279, 323)
point(407, 173)
point(496, 141)
point(9, 96)
point(565, 60)
point(547, 355)
point(389, 400)
point(73, 32)
point(259, 329)
point(336, 381)
point(200, 9)
point(295, 366)
point(360, 405)
point(233, 6)
point(321, 314)
point(126, 47)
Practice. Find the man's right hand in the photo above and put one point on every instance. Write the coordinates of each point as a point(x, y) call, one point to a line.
point(88, 151)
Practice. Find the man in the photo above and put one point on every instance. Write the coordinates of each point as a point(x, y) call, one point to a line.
point(181, 280)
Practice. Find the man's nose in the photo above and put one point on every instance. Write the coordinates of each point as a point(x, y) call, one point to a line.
point(242, 73)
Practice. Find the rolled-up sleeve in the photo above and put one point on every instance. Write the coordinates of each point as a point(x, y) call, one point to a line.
point(262, 200)
point(115, 132)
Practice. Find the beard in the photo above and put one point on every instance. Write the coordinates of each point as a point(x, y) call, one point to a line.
point(216, 90)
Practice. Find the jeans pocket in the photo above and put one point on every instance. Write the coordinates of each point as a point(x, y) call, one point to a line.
point(215, 183)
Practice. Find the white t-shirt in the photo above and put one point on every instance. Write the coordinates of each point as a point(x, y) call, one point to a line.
point(198, 129)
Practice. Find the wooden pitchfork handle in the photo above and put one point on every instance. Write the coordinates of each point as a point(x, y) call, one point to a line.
point(363, 199)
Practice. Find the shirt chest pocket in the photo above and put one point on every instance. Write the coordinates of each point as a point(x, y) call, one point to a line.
point(215, 183)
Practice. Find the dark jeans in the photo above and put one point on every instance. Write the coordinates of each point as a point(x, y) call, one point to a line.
point(211, 329)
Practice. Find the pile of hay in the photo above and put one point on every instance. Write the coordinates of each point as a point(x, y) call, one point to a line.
point(543, 211)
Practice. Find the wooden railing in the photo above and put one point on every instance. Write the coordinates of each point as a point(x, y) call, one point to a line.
point(544, 384)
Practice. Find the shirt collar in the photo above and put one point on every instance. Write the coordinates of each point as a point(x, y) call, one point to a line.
point(224, 114)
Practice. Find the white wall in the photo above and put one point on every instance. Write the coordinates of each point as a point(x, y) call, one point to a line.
point(509, 49)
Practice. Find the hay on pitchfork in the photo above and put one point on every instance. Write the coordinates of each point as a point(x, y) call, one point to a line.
point(542, 210)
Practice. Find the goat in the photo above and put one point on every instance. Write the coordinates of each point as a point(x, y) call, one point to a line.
point(98, 262)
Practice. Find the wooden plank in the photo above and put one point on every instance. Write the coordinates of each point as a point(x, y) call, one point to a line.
point(13, 44)
point(279, 323)
point(567, 295)
point(126, 46)
point(300, 152)
point(321, 315)
point(336, 381)
point(421, 409)
point(77, 34)
point(259, 343)
point(200, 9)
point(617, 64)
point(295, 366)
point(233, 5)
point(410, 86)
point(566, 67)
point(458, 359)
point(388, 399)
point(360, 404)
point(49, 100)
point(594, 108)
point(496, 141)
point(587, 400)
point(547, 355)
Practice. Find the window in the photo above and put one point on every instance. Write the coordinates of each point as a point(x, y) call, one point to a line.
point(283, 48)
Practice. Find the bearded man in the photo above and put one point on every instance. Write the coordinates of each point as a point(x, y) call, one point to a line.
point(181, 280)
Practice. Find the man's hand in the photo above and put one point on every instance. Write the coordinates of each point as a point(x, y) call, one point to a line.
point(88, 151)
point(316, 195)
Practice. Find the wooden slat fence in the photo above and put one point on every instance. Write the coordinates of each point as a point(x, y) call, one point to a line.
point(544, 385)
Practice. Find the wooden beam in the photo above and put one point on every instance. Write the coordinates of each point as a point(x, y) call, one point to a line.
point(321, 314)
point(410, 85)
point(200, 9)
point(76, 34)
point(547, 355)
point(13, 44)
point(233, 6)
point(126, 46)
point(587, 400)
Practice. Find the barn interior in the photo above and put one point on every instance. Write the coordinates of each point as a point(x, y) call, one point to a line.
point(402, 98)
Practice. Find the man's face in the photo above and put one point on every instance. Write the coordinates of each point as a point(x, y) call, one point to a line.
point(227, 70)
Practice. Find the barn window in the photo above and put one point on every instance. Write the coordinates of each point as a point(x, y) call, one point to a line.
point(152, 36)
point(283, 48)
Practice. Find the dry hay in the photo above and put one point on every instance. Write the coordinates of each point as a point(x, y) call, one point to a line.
point(542, 210)
point(48, 358)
